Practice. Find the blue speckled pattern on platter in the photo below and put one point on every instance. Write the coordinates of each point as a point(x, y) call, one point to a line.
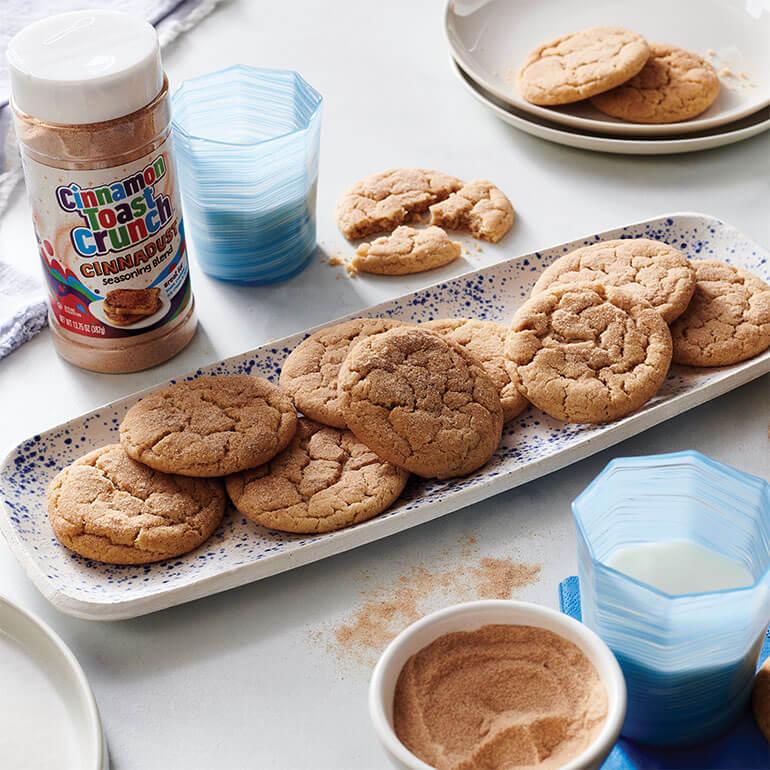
point(533, 444)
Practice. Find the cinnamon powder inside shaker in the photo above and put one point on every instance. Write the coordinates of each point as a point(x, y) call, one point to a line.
point(106, 145)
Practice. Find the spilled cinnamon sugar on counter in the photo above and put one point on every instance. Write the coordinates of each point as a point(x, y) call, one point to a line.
point(384, 612)
point(499, 697)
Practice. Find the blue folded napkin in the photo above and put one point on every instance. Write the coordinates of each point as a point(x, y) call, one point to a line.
point(742, 748)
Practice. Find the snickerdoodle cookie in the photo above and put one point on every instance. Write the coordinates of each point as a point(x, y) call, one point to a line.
point(673, 85)
point(588, 353)
point(728, 319)
point(110, 508)
point(581, 64)
point(421, 402)
point(760, 699)
point(486, 341)
point(309, 374)
point(479, 207)
point(650, 270)
point(326, 479)
point(380, 202)
point(211, 426)
point(407, 250)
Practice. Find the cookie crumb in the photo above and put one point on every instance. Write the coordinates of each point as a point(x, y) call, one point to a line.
point(335, 261)
point(726, 72)
point(711, 53)
point(351, 270)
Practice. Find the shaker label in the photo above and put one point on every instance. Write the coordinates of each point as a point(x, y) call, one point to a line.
point(112, 245)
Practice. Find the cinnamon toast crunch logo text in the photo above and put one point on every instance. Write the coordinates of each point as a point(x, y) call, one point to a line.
point(120, 215)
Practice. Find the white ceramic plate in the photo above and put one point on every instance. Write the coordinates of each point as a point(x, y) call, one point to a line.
point(96, 309)
point(48, 713)
point(240, 551)
point(492, 38)
point(705, 140)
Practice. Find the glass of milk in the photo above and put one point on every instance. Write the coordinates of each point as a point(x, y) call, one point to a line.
point(674, 566)
point(247, 143)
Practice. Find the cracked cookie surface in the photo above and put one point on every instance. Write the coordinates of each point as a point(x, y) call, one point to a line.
point(421, 402)
point(309, 374)
point(479, 207)
point(381, 202)
point(728, 320)
point(110, 508)
point(582, 64)
point(407, 250)
point(673, 85)
point(587, 353)
point(326, 479)
point(647, 269)
point(211, 426)
point(486, 341)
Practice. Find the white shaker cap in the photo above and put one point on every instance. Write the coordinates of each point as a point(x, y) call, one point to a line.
point(84, 67)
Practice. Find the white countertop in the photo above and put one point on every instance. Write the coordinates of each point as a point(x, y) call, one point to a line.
point(240, 679)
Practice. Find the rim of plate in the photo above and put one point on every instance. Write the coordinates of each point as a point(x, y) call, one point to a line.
point(615, 145)
point(95, 743)
point(608, 125)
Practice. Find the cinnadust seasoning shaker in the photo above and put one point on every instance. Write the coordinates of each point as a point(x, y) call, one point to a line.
point(91, 110)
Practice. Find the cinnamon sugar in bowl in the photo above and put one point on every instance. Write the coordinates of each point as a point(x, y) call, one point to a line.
point(497, 684)
point(91, 109)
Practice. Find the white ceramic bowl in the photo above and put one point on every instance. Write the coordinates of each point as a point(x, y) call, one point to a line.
point(473, 615)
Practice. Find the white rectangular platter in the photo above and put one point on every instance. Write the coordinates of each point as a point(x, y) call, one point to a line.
point(240, 552)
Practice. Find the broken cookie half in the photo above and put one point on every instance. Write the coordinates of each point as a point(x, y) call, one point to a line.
point(479, 207)
point(407, 250)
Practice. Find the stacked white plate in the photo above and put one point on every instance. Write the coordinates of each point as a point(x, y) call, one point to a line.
point(490, 39)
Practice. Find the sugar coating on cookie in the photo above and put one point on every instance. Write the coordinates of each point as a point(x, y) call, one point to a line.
point(673, 85)
point(582, 64)
point(407, 250)
point(210, 426)
point(478, 207)
point(760, 699)
point(485, 341)
point(326, 479)
point(381, 202)
point(309, 374)
point(588, 353)
point(421, 402)
point(728, 319)
point(650, 270)
point(110, 508)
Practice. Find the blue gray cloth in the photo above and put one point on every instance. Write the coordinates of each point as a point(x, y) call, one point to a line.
point(742, 748)
point(23, 310)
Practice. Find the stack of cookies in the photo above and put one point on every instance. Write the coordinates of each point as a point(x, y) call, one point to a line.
point(160, 492)
point(622, 74)
point(419, 400)
point(392, 200)
point(593, 342)
point(382, 399)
